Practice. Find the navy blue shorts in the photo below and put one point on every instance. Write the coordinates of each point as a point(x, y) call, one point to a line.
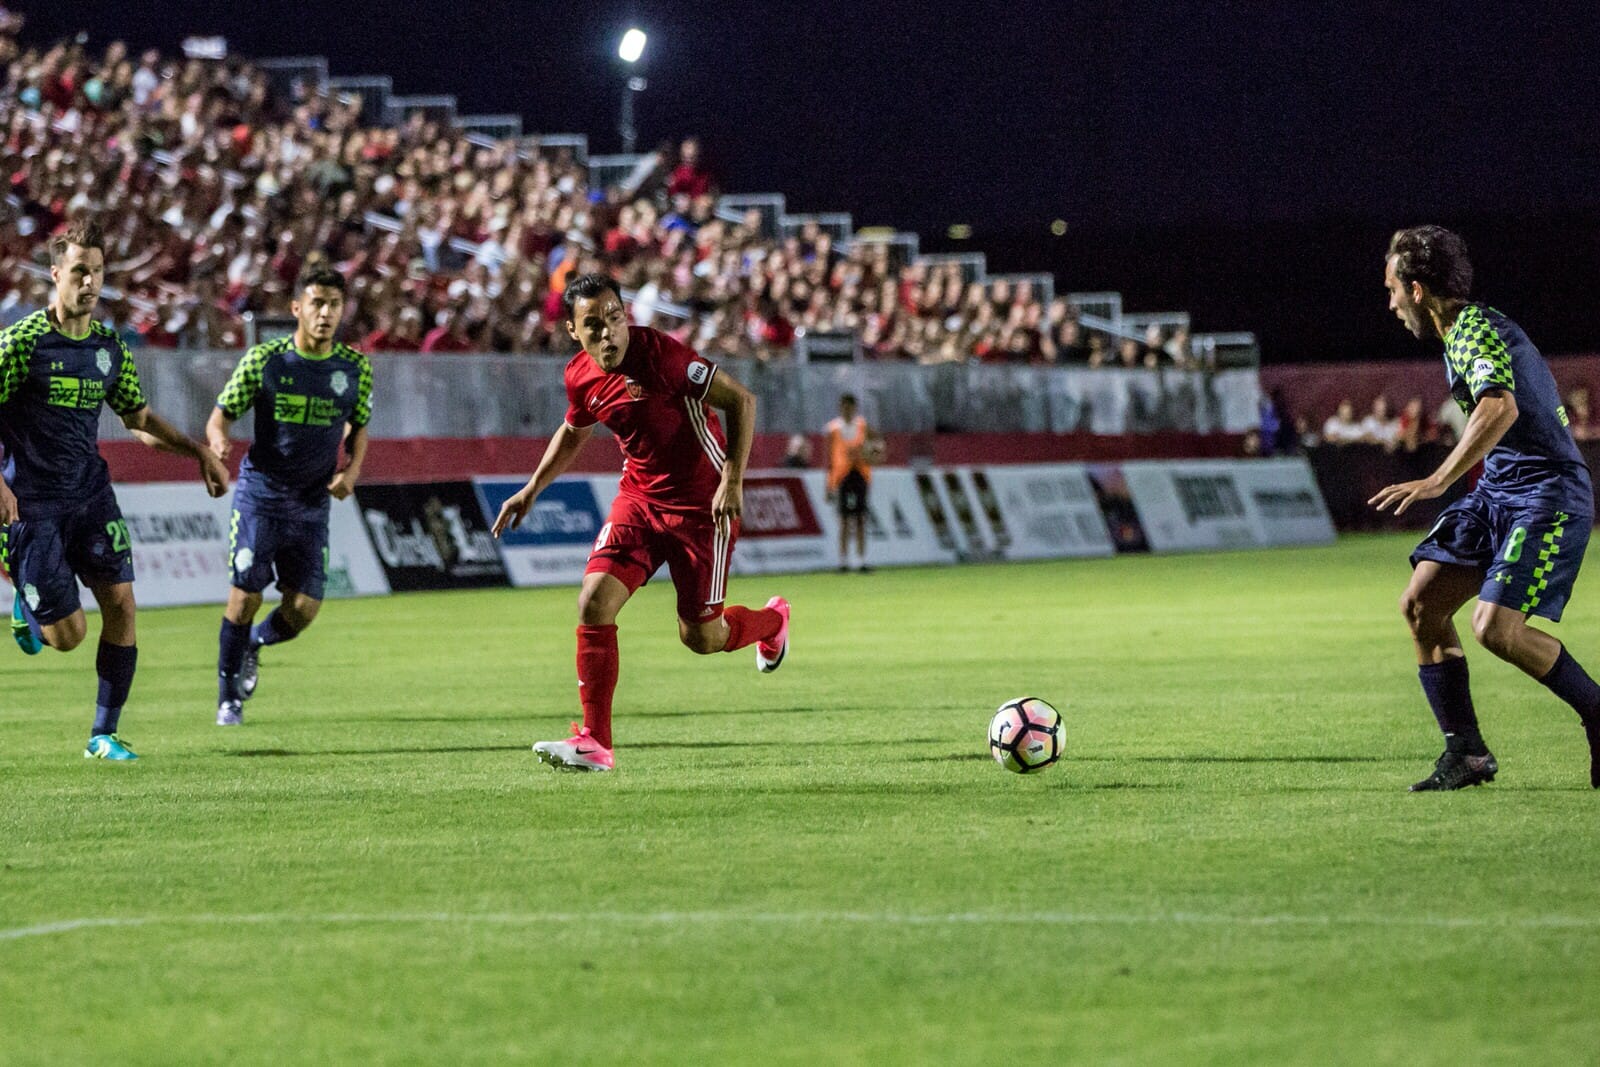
point(1529, 555)
point(263, 546)
point(47, 556)
point(853, 495)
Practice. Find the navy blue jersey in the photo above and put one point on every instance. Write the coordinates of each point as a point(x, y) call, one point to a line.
point(303, 404)
point(51, 389)
point(1536, 463)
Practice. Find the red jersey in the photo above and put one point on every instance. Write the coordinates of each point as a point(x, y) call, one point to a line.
point(654, 404)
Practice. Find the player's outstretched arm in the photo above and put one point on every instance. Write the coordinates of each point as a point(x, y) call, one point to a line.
point(738, 407)
point(558, 456)
point(344, 483)
point(157, 432)
point(1496, 411)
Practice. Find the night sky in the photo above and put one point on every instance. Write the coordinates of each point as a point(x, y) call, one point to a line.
point(1245, 161)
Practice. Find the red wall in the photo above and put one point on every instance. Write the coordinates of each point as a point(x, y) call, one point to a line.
point(441, 459)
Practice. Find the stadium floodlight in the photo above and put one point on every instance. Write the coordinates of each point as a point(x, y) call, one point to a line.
point(632, 46)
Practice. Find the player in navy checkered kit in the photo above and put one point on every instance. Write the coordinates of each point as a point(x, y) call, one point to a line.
point(59, 519)
point(311, 395)
point(1517, 540)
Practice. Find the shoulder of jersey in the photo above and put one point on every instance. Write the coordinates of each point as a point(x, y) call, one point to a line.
point(271, 348)
point(350, 352)
point(35, 324)
point(100, 329)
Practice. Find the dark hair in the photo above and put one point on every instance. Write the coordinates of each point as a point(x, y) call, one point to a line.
point(85, 233)
point(586, 287)
point(1434, 256)
point(320, 274)
point(848, 398)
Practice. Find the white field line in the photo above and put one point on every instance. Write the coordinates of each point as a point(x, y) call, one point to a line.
point(809, 918)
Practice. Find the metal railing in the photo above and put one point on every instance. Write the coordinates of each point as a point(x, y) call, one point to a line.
point(493, 395)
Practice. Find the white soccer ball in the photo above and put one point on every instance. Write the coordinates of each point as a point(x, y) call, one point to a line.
point(1025, 735)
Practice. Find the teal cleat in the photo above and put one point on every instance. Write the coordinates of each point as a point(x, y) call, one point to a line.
point(21, 632)
point(108, 746)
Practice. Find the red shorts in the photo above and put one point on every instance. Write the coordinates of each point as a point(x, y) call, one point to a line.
point(638, 538)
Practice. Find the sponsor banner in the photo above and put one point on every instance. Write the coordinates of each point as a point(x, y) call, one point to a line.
point(353, 568)
point(780, 530)
point(777, 507)
point(179, 537)
point(1211, 504)
point(553, 542)
point(1045, 511)
point(1283, 496)
point(180, 543)
point(431, 536)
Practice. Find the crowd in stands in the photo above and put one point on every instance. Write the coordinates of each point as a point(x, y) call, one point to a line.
point(216, 191)
point(1406, 431)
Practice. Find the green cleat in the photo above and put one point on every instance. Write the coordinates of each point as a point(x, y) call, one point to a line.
point(108, 746)
point(21, 632)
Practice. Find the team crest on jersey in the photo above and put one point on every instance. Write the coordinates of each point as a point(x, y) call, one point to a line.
point(30, 593)
point(340, 382)
point(635, 390)
point(102, 359)
point(242, 560)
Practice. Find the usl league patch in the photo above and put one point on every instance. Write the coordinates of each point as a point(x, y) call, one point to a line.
point(1483, 368)
point(699, 372)
point(340, 382)
point(102, 359)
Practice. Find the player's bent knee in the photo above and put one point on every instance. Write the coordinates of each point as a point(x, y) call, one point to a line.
point(1496, 632)
point(702, 641)
point(1415, 609)
point(64, 636)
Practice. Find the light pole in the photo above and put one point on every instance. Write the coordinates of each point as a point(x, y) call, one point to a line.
point(629, 51)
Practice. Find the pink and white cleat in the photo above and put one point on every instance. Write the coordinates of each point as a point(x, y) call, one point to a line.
point(580, 752)
point(769, 654)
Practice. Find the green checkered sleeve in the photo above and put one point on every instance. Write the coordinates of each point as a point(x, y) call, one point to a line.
point(126, 394)
point(1480, 356)
point(363, 412)
point(17, 343)
point(245, 384)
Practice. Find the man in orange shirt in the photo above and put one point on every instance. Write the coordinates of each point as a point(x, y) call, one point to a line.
point(848, 478)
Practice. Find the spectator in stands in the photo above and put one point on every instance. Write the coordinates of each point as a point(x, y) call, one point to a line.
point(450, 335)
point(1451, 421)
point(797, 455)
point(396, 332)
point(1578, 415)
point(1411, 433)
point(690, 177)
point(1379, 427)
point(1342, 427)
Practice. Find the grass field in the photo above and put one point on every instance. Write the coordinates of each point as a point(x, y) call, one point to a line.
point(818, 866)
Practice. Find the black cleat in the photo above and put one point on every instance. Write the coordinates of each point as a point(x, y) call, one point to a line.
point(1593, 732)
point(249, 670)
point(1457, 770)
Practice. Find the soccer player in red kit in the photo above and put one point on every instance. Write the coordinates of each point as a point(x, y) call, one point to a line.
point(679, 502)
